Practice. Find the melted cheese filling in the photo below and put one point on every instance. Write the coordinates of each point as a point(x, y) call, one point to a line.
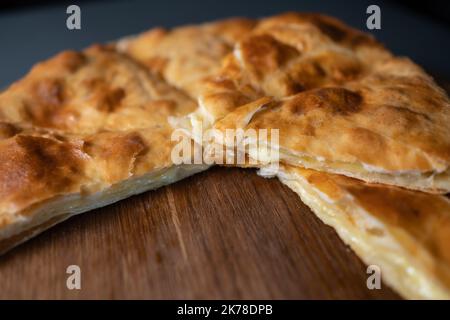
point(430, 181)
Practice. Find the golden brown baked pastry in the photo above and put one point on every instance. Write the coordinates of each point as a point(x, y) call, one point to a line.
point(80, 131)
point(185, 55)
point(405, 233)
point(83, 130)
point(342, 103)
point(86, 129)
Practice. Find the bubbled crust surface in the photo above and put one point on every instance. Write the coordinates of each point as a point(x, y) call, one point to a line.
point(80, 122)
point(184, 56)
point(287, 54)
point(336, 94)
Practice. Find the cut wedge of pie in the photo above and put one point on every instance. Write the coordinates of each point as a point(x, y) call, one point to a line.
point(85, 129)
point(80, 131)
point(405, 233)
point(341, 102)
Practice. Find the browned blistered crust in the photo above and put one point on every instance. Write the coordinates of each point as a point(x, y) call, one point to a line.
point(35, 167)
point(338, 98)
point(78, 124)
point(337, 93)
point(186, 55)
point(85, 92)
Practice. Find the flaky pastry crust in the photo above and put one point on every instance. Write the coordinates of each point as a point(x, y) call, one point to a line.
point(82, 130)
point(405, 233)
point(186, 55)
point(342, 102)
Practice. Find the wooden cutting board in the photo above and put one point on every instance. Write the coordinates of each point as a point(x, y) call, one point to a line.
point(223, 234)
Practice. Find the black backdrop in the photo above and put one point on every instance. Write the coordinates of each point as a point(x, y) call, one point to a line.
point(34, 30)
point(438, 9)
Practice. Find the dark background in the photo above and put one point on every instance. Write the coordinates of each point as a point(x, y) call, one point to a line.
point(31, 31)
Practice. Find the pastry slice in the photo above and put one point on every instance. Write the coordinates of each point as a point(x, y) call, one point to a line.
point(350, 131)
point(405, 233)
point(80, 131)
point(341, 102)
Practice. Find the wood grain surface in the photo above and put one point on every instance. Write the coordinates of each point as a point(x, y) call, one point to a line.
point(222, 234)
point(225, 233)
